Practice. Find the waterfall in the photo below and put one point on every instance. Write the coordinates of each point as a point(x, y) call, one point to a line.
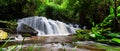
point(46, 26)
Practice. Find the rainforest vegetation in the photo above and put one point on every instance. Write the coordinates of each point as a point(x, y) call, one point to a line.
point(101, 17)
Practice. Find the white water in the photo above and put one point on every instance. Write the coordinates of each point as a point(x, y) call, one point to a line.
point(46, 27)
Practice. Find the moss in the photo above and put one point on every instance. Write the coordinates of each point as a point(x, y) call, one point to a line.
point(26, 35)
point(108, 48)
point(82, 35)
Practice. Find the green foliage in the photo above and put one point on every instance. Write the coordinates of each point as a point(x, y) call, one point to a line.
point(104, 26)
point(9, 24)
point(114, 35)
point(57, 11)
point(82, 31)
point(82, 35)
point(108, 48)
point(103, 30)
point(75, 11)
point(22, 44)
point(116, 40)
point(31, 48)
point(4, 44)
point(14, 9)
point(12, 48)
point(96, 33)
point(93, 10)
point(39, 48)
point(118, 14)
point(111, 10)
point(99, 29)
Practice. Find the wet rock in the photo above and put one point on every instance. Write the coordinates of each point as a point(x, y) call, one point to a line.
point(57, 43)
point(25, 29)
point(42, 40)
point(52, 39)
point(46, 47)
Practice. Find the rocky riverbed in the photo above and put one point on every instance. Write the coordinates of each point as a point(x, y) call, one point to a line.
point(55, 43)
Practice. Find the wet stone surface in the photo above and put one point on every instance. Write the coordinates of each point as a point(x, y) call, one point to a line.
point(56, 43)
point(48, 47)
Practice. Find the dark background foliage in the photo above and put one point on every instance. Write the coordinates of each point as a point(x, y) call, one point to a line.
point(82, 12)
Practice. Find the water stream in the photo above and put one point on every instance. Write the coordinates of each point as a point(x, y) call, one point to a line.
point(46, 27)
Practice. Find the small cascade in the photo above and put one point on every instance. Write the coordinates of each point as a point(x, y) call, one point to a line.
point(46, 26)
point(19, 37)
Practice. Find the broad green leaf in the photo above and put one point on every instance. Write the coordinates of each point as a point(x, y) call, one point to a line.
point(114, 35)
point(118, 14)
point(111, 10)
point(118, 8)
point(116, 40)
point(92, 35)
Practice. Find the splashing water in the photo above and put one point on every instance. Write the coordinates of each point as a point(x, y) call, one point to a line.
point(46, 27)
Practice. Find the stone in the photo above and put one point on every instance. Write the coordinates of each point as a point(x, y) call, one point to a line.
point(25, 29)
point(3, 35)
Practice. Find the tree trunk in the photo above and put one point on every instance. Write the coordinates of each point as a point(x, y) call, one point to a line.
point(116, 24)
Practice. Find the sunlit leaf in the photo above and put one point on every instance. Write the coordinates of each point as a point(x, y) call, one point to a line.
point(118, 14)
point(117, 40)
point(118, 8)
point(114, 35)
point(111, 10)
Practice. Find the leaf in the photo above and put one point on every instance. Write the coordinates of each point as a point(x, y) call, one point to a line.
point(116, 40)
point(118, 14)
point(114, 35)
point(118, 8)
point(92, 35)
point(111, 10)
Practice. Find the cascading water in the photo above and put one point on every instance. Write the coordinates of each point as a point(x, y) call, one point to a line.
point(46, 26)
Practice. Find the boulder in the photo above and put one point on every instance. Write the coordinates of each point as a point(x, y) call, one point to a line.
point(3, 35)
point(25, 29)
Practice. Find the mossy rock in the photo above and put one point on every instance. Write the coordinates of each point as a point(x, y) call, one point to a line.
point(27, 35)
point(82, 35)
point(108, 47)
point(25, 29)
point(3, 35)
point(82, 31)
